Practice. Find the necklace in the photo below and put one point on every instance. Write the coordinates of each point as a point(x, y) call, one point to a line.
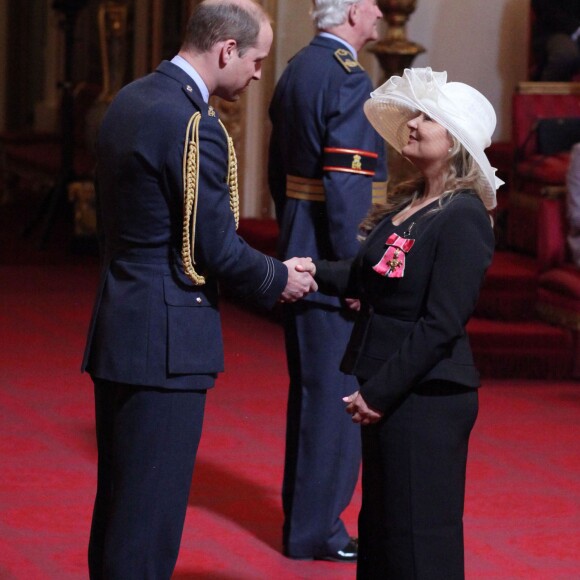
point(407, 232)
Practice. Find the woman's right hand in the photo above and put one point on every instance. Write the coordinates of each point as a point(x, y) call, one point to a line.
point(359, 411)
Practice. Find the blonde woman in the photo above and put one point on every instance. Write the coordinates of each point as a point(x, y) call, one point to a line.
point(417, 275)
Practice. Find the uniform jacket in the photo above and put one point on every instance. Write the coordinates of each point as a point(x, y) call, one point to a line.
point(411, 328)
point(150, 324)
point(318, 106)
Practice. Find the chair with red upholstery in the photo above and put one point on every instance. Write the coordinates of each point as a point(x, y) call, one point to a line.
point(535, 168)
point(558, 296)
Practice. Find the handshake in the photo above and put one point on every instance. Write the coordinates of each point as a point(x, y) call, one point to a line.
point(300, 279)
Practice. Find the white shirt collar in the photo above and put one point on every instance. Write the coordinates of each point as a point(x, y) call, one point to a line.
point(189, 70)
point(334, 37)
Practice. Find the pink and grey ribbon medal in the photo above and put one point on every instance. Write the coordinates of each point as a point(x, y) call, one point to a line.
point(392, 264)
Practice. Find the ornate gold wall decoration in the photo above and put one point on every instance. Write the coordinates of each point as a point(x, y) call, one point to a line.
point(395, 52)
point(82, 196)
point(112, 24)
point(113, 44)
point(233, 116)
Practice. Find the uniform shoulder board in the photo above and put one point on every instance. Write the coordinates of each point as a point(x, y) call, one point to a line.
point(346, 59)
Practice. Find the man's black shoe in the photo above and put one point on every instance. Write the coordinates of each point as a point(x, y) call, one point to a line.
point(348, 554)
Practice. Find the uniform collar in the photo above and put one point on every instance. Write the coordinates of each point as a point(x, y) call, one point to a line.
point(187, 85)
point(338, 39)
point(193, 74)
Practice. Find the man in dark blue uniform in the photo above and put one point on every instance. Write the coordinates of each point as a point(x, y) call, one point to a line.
point(154, 345)
point(326, 166)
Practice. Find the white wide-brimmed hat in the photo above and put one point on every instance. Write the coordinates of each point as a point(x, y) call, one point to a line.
point(461, 109)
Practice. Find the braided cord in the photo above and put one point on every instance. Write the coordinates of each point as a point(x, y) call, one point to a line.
point(191, 185)
point(191, 189)
point(233, 177)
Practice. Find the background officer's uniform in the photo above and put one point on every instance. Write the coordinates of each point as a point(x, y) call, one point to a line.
point(326, 164)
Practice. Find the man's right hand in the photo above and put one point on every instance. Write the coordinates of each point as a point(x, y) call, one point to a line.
point(300, 280)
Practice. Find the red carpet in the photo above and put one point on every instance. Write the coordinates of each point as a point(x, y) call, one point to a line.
point(522, 515)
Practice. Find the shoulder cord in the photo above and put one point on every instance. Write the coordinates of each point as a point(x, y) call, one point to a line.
point(191, 188)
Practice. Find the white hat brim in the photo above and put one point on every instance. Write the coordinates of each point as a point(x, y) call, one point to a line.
point(389, 114)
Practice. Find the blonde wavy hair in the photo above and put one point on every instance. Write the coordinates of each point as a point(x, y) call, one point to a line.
point(463, 174)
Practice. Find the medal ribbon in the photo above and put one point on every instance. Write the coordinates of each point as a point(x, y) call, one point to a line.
point(392, 264)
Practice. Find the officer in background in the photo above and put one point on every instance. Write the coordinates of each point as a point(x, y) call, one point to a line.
point(326, 166)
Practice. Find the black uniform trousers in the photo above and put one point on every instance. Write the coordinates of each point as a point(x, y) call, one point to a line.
point(323, 447)
point(413, 480)
point(147, 440)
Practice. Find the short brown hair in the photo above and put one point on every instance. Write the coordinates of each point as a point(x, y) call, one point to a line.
point(216, 20)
